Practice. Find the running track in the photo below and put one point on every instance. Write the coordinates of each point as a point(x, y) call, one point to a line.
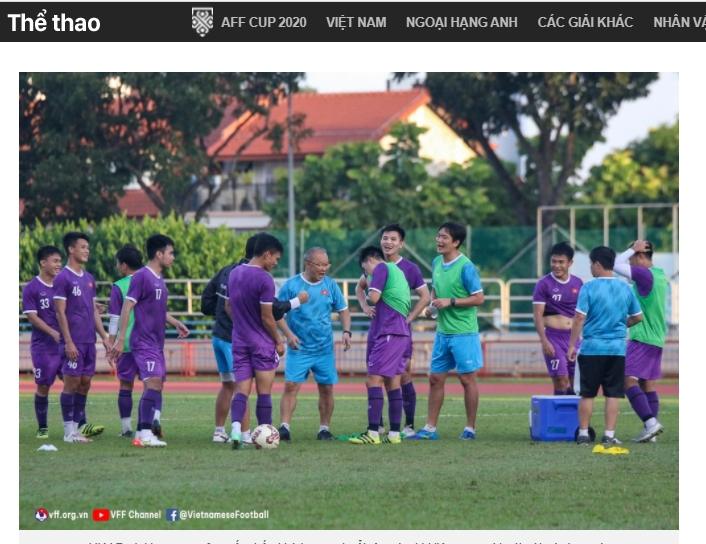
point(509, 388)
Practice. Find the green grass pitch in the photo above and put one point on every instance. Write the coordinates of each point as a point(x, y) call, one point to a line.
point(500, 481)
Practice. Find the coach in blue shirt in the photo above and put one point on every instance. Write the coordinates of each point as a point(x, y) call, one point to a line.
point(605, 308)
point(310, 341)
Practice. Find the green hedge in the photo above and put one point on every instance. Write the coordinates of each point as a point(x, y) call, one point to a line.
point(200, 251)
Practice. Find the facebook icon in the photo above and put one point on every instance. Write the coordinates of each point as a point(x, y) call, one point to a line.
point(172, 514)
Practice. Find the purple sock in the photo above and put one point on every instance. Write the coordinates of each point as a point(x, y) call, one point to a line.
point(653, 399)
point(41, 407)
point(158, 403)
point(148, 401)
point(394, 400)
point(409, 403)
point(375, 402)
point(125, 403)
point(639, 403)
point(263, 409)
point(67, 406)
point(80, 409)
point(561, 392)
point(238, 406)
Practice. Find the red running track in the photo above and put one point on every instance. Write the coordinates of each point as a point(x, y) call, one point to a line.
point(508, 388)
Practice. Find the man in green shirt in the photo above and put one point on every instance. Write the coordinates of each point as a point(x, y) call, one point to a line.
point(643, 359)
point(456, 293)
point(128, 260)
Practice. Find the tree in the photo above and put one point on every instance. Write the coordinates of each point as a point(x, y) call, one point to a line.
point(566, 111)
point(84, 136)
point(361, 186)
point(647, 170)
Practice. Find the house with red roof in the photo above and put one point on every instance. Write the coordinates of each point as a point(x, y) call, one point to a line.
point(330, 119)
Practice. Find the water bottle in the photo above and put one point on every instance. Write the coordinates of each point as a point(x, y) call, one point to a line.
point(433, 311)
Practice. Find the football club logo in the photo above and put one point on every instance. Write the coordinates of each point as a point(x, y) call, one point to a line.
point(324, 292)
point(41, 514)
point(202, 20)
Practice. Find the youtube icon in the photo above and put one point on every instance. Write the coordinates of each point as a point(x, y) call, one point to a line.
point(101, 514)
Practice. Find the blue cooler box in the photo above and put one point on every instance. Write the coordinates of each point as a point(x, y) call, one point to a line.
point(554, 418)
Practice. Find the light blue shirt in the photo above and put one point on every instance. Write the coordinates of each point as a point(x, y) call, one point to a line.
point(606, 303)
point(311, 322)
point(469, 274)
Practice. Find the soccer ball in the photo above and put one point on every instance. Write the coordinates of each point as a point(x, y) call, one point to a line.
point(265, 437)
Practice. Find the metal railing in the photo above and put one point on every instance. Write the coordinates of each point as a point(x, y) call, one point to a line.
point(500, 307)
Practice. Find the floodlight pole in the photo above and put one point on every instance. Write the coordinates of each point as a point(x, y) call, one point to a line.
point(290, 186)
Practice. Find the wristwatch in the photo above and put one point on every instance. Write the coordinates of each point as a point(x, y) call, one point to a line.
point(453, 301)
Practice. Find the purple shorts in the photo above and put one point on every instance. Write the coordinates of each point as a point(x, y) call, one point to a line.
point(126, 367)
point(84, 365)
point(150, 363)
point(47, 365)
point(407, 355)
point(247, 360)
point(643, 361)
point(559, 365)
point(385, 355)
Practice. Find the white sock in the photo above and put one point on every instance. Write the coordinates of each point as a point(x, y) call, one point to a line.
point(393, 434)
point(246, 436)
point(68, 428)
point(157, 415)
point(429, 428)
point(220, 430)
point(236, 427)
point(609, 434)
point(374, 434)
point(583, 432)
point(470, 429)
point(323, 428)
point(126, 424)
point(285, 425)
point(650, 422)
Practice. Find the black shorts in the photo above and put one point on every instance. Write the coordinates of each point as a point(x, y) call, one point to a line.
point(607, 371)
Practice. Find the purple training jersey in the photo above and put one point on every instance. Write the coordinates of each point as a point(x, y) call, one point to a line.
point(79, 291)
point(412, 273)
point(149, 293)
point(559, 298)
point(386, 320)
point(37, 299)
point(250, 286)
point(115, 305)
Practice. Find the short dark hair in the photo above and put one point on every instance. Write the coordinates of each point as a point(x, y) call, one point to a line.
point(562, 249)
point(129, 255)
point(370, 252)
point(250, 245)
point(70, 238)
point(266, 242)
point(47, 251)
point(394, 227)
point(157, 242)
point(456, 231)
point(603, 255)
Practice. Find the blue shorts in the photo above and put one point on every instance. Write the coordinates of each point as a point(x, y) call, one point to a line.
point(224, 358)
point(298, 365)
point(456, 351)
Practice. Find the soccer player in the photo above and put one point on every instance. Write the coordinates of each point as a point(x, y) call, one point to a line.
point(456, 293)
point(38, 306)
point(147, 295)
point(257, 345)
point(554, 306)
point(310, 338)
point(643, 360)
point(388, 339)
point(128, 260)
point(79, 320)
point(213, 302)
point(603, 307)
point(392, 243)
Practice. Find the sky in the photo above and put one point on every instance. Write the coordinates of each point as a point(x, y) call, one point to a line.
point(632, 122)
